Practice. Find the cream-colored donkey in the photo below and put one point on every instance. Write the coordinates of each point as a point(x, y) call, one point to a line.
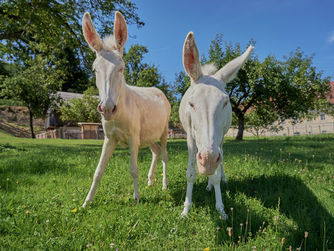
point(131, 116)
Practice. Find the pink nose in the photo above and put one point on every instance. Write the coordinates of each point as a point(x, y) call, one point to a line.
point(207, 162)
point(107, 113)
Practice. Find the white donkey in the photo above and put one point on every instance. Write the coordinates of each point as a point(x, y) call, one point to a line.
point(131, 116)
point(206, 115)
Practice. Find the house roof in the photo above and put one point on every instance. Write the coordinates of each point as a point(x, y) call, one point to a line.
point(69, 95)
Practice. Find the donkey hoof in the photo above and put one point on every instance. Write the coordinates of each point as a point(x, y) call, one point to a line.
point(86, 203)
point(164, 185)
point(223, 214)
point(136, 197)
point(150, 183)
point(209, 187)
point(184, 215)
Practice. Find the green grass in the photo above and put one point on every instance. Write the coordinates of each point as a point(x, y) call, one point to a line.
point(283, 187)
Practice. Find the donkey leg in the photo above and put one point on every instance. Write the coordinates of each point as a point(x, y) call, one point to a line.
point(163, 142)
point(209, 186)
point(107, 150)
point(134, 146)
point(215, 181)
point(224, 180)
point(155, 149)
point(191, 175)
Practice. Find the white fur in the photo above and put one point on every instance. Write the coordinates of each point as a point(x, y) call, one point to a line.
point(131, 116)
point(206, 115)
point(209, 69)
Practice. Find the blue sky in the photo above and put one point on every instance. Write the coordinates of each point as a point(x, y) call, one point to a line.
point(277, 26)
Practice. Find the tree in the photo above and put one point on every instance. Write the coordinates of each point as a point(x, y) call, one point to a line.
point(260, 120)
point(82, 110)
point(287, 88)
point(179, 88)
point(269, 89)
point(141, 74)
point(34, 86)
point(52, 29)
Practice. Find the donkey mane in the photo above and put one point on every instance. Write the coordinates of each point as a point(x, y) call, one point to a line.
point(109, 43)
point(209, 69)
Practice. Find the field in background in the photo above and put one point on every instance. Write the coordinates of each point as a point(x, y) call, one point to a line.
point(277, 188)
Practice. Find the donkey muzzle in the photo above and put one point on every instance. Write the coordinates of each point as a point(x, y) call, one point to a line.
point(207, 162)
point(107, 111)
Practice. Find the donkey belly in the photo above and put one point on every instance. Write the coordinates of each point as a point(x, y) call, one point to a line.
point(154, 124)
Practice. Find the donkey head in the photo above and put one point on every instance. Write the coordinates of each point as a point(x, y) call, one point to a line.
point(108, 65)
point(208, 105)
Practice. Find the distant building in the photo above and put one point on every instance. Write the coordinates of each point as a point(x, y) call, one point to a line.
point(56, 128)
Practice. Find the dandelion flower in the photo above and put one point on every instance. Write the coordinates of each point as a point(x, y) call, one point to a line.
point(27, 212)
point(206, 249)
point(74, 210)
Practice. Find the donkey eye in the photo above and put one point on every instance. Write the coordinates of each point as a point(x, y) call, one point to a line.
point(192, 105)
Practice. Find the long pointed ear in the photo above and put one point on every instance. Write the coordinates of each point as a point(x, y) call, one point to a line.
point(120, 31)
point(230, 70)
point(191, 61)
point(90, 34)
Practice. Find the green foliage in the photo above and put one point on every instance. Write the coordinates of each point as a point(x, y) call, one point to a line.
point(52, 29)
point(289, 88)
point(282, 185)
point(180, 86)
point(81, 110)
point(34, 86)
point(141, 74)
point(260, 120)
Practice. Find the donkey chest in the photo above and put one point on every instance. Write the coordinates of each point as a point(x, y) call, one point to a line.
point(119, 133)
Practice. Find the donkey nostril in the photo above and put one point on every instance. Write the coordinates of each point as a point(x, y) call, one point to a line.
point(114, 109)
point(200, 156)
point(218, 159)
point(99, 109)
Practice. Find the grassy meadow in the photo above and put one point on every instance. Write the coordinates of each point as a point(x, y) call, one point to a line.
point(278, 189)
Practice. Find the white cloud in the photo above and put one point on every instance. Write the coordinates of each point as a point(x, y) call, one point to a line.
point(331, 37)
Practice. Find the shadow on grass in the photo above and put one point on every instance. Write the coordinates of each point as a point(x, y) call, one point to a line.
point(297, 202)
point(312, 150)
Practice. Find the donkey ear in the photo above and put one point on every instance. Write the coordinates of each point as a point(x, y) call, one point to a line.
point(230, 70)
point(90, 34)
point(191, 61)
point(120, 30)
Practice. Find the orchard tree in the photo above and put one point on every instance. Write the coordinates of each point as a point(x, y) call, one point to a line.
point(179, 88)
point(289, 88)
point(261, 119)
point(268, 90)
point(52, 30)
point(141, 74)
point(34, 86)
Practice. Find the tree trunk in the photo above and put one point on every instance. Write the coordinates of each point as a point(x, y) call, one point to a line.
point(31, 118)
point(241, 127)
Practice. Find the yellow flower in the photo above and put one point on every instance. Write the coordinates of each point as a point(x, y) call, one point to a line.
point(206, 249)
point(74, 210)
point(27, 212)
